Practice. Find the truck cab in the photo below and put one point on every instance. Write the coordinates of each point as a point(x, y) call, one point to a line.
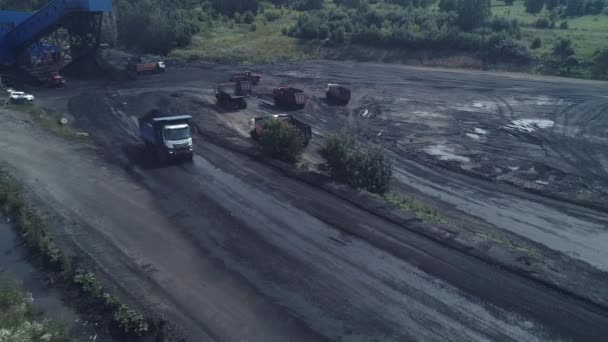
point(170, 136)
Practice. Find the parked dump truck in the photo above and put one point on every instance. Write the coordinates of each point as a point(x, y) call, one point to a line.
point(138, 67)
point(337, 94)
point(168, 137)
point(232, 95)
point(247, 76)
point(289, 97)
point(256, 126)
point(55, 80)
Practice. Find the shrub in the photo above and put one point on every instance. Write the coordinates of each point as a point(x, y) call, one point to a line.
point(253, 27)
point(337, 152)
point(338, 35)
point(307, 5)
point(370, 170)
point(129, 321)
point(448, 5)
point(600, 64)
point(542, 23)
point(563, 25)
point(536, 43)
point(248, 17)
point(272, 14)
point(282, 141)
point(88, 284)
point(510, 50)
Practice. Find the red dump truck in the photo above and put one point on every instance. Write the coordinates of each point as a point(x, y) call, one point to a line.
point(256, 126)
point(138, 67)
point(337, 94)
point(289, 97)
point(55, 80)
point(232, 95)
point(248, 76)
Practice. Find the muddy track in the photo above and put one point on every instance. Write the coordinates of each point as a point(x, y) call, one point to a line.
point(317, 258)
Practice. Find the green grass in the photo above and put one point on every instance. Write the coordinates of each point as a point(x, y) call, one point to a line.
point(421, 210)
point(47, 120)
point(587, 33)
point(17, 321)
point(224, 41)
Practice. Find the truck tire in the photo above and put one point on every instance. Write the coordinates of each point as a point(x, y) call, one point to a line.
point(243, 104)
point(235, 104)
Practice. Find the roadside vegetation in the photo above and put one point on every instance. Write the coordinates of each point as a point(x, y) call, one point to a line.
point(17, 319)
point(50, 121)
point(421, 210)
point(282, 141)
point(370, 170)
point(127, 322)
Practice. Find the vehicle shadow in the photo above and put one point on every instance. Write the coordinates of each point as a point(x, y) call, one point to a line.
point(139, 156)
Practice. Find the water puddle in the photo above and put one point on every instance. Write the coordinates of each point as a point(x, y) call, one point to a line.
point(530, 125)
point(445, 153)
point(48, 301)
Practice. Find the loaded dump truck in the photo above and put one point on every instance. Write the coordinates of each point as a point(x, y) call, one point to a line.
point(289, 97)
point(232, 95)
point(256, 126)
point(247, 76)
point(337, 94)
point(138, 67)
point(168, 137)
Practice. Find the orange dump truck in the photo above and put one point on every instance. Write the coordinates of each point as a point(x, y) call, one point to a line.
point(137, 66)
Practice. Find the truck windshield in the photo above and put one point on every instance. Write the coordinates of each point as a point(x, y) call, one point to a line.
point(177, 133)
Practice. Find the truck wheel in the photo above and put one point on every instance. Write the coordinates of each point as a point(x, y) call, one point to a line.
point(243, 104)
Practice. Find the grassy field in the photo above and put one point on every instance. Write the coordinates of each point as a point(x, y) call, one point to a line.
point(260, 42)
point(587, 33)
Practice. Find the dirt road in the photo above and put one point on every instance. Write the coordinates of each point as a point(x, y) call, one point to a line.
point(231, 250)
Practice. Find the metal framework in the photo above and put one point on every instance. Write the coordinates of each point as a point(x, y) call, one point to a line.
point(75, 36)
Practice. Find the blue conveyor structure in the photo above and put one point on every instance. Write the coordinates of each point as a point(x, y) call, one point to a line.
point(79, 19)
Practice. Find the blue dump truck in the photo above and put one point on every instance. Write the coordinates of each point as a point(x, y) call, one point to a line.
point(167, 137)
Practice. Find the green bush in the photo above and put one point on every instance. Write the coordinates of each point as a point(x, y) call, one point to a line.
point(563, 25)
point(17, 319)
point(130, 322)
point(600, 64)
point(88, 284)
point(536, 43)
point(248, 17)
point(510, 50)
point(337, 153)
point(370, 170)
point(542, 23)
point(282, 141)
point(272, 14)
